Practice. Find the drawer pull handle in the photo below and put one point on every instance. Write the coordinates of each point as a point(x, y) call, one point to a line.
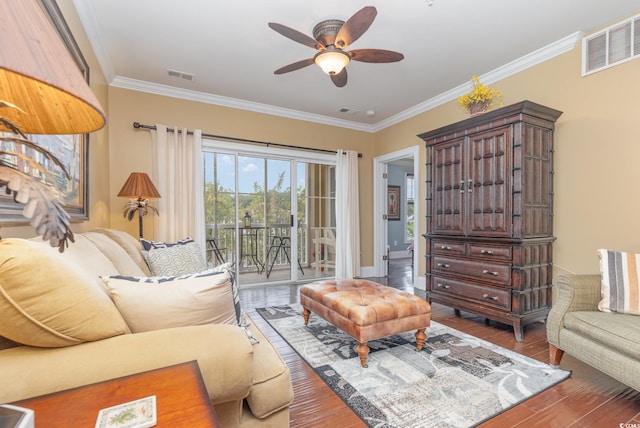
point(486, 296)
point(444, 265)
point(461, 186)
point(489, 272)
point(446, 247)
point(444, 286)
point(486, 252)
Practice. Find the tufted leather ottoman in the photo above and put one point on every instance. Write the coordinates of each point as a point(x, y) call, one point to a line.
point(366, 310)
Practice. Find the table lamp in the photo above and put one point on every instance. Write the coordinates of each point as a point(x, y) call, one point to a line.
point(42, 91)
point(139, 188)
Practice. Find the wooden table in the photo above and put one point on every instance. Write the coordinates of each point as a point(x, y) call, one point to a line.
point(181, 399)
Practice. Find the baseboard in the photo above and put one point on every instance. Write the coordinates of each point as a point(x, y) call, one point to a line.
point(402, 254)
point(367, 272)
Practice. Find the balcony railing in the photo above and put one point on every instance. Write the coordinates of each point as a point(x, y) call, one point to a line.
point(255, 245)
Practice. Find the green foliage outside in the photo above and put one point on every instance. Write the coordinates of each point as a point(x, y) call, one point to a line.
point(220, 205)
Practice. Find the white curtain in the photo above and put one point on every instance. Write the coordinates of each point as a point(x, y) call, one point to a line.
point(347, 215)
point(177, 174)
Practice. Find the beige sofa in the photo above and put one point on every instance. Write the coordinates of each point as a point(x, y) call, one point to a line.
point(66, 331)
point(607, 341)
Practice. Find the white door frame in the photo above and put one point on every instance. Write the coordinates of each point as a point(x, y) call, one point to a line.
point(380, 208)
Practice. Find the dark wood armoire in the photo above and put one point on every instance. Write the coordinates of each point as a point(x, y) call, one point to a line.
point(489, 197)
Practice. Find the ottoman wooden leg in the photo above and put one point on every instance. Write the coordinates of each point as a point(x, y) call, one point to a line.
point(363, 351)
point(305, 314)
point(420, 338)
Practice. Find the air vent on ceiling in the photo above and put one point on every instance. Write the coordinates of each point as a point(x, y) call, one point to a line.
point(181, 75)
point(346, 110)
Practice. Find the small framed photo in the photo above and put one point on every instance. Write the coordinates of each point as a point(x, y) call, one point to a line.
point(393, 202)
point(134, 414)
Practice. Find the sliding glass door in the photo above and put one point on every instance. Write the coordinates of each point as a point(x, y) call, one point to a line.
point(270, 217)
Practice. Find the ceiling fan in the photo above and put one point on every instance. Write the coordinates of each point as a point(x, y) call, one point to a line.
point(330, 38)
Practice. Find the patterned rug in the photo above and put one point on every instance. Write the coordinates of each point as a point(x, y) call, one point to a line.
point(457, 380)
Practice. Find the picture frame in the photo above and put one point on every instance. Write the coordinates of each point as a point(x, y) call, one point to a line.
point(393, 203)
point(72, 150)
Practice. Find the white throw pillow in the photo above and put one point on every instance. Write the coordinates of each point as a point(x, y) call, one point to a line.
point(153, 303)
point(620, 282)
point(173, 259)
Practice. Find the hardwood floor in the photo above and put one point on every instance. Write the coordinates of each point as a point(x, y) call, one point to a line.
point(588, 398)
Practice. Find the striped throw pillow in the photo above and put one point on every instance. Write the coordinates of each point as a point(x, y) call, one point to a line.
point(620, 282)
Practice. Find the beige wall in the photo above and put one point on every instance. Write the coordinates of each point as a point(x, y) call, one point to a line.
point(596, 153)
point(131, 148)
point(597, 149)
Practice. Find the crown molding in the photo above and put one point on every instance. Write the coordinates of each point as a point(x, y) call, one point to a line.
point(552, 50)
point(202, 97)
point(87, 15)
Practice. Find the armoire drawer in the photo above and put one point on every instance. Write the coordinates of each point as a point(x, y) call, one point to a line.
point(493, 272)
point(488, 251)
point(490, 296)
point(447, 247)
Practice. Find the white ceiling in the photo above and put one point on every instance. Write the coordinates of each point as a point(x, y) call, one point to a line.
point(232, 52)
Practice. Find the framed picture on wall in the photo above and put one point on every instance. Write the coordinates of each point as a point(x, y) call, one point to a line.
point(71, 150)
point(393, 202)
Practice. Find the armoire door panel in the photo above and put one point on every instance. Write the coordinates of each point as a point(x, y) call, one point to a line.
point(489, 196)
point(449, 188)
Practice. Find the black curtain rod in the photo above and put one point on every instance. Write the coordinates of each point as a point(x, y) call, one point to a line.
point(139, 125)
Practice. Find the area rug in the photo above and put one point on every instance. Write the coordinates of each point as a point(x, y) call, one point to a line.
point(457, 380)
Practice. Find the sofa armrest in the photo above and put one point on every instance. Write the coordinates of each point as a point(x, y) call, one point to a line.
point(574, 293)
point(223, 352)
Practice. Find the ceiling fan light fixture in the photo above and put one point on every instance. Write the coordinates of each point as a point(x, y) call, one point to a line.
point(332, 61)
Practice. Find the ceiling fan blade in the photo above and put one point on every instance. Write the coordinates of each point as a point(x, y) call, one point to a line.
point(375, 55)
point(296, 36)
point(294, 66)
point(340, 79)
point(355, 26)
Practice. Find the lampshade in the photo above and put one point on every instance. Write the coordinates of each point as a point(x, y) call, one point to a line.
point(38, 75)
point(139, 185)
point(332, 61)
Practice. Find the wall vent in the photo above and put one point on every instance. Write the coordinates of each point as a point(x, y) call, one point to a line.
point(611, 46)
point(181, 75)
point(346, 110)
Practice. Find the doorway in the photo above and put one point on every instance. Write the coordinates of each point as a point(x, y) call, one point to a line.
point(407, 159)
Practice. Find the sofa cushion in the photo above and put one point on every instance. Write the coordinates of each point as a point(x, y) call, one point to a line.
point(84, 256)
point(271, 390)
point(618, 332)
point(130, 244)
point(620, 282)
point(46, 301)
point(172, 259)
point(115, 253)
point(153, 303)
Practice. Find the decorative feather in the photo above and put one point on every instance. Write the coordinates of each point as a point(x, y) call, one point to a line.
point(140, 206)
point(42, 206)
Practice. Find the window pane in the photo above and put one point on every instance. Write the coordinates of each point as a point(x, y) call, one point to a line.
point(409, 207)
